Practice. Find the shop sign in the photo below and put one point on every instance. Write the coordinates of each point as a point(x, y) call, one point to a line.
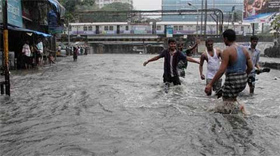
point(14, 12)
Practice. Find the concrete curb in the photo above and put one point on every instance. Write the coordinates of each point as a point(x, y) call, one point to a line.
point(273, 63)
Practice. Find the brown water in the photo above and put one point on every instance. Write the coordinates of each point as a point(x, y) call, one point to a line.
point(110, 105)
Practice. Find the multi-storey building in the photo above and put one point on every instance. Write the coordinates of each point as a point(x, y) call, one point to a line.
point(101, 3)
point(232, 9)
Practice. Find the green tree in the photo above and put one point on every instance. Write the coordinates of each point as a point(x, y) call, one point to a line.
point(113, 14)
point(73, 6)
point(117, 6)
point(275, 24)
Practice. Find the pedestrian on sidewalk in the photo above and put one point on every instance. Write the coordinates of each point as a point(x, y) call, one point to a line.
point(27, 57)
point(237, 65)
point(40, 50)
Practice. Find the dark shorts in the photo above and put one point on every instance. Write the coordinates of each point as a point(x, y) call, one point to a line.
point(28, 60)
point(175, 79)
point(39, 55)
point(251, 79)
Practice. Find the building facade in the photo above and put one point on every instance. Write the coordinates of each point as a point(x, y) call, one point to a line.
point(102, 3)
point(232, 9)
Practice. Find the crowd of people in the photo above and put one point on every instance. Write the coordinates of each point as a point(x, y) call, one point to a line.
point(35, 54)
point(237, 62)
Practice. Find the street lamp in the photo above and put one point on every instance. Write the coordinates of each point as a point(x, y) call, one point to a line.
point(190, 4)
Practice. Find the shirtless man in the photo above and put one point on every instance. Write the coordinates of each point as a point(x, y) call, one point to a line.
point(237, 65)
point(213, 58)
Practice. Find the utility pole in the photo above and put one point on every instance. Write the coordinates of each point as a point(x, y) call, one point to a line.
point(6, 48)
point(205, 19)
point(68, 35)
point(190, 4)
point(202, 3)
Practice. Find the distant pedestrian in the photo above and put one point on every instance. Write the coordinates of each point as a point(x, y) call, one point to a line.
point(171, 59)
point(27, 57)
point(237, 65)
point(40, 50)
point(213, 58)
point(75, 53)
point(51, 58)
point(59, 49)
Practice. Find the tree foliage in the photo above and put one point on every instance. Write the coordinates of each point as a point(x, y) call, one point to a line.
point(117, 6)
point(101, 15)
point(275, 24)
point(72, 6)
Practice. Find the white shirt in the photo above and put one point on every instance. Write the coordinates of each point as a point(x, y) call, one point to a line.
point(26, 50)
point(213, 64)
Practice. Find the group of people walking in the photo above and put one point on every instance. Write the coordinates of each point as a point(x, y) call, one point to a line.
point(238, 63)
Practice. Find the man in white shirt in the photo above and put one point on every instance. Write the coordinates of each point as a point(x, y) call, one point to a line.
point(26, 54)
point(213, 58)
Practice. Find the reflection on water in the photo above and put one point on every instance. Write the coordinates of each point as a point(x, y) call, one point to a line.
point(112, 105)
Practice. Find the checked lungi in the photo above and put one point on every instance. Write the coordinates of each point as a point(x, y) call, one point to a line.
point(234, 84)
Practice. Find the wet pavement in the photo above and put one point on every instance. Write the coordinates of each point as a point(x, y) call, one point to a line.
point(110, 105)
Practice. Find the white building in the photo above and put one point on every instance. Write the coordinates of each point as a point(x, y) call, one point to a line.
point(102, 3)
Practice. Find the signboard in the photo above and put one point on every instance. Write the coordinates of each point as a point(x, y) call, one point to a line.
point(141, 29)
point(260, 11)
point(14, 12)
point(169, 31)
point(54, 27)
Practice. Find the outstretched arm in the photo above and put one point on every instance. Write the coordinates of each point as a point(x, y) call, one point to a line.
point(202, 58)
point(151, 60)
point(195, 45)
point(190, 59)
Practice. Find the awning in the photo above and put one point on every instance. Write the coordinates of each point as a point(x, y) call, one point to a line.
point(29, 30)
point(59, 8)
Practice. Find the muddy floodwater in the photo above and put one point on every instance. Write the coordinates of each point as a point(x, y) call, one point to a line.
point(110, 105)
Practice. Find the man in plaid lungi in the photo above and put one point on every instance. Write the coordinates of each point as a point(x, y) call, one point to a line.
point(237, 64)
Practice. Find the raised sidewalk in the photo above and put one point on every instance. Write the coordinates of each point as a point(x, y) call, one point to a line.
point(273, 63)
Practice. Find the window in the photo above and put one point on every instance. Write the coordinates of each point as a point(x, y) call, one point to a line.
point(180, 27)
point(176, 28)
point(106, 28)
point(70, 28)
point(242, 28)
point(111, 27)
point(89, 28)
point(85, 28)
point(158, 27)
point(126, 28)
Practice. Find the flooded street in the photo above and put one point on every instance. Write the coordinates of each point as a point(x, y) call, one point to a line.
point(110, 105)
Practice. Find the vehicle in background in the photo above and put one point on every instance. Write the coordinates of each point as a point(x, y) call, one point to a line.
point(149, 28)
